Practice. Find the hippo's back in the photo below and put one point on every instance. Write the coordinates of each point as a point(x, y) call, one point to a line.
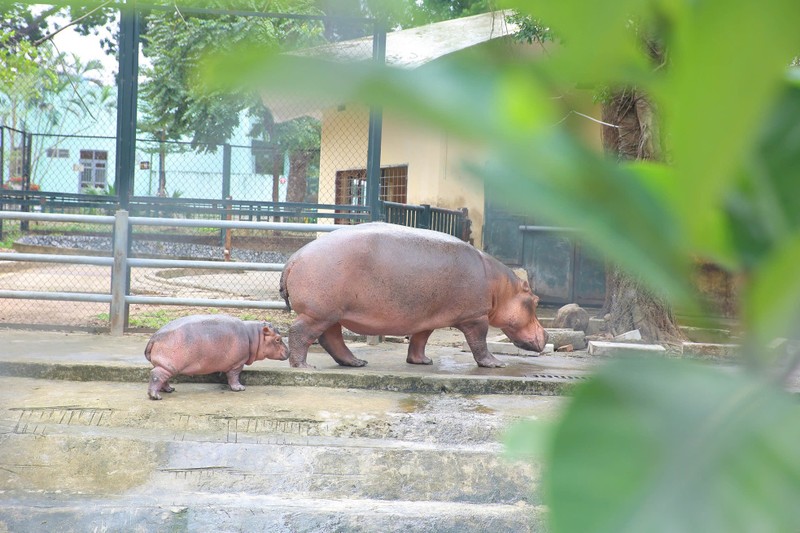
point(369, 268)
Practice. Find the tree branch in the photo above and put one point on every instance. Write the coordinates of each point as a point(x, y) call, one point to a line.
point(72, 23)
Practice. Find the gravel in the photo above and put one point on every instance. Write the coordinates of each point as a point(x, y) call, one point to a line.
point(177, 250)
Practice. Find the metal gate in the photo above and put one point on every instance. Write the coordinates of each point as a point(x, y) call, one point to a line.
point(559, 268)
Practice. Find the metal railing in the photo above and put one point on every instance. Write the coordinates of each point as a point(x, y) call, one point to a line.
point(120, 262)
point(451, 221)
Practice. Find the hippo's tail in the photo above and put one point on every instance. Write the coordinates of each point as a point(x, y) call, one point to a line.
point(284, 291)
point(149, 348)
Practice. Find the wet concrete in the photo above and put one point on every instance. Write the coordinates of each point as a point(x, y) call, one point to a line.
point(332, 449)
point(87, 357)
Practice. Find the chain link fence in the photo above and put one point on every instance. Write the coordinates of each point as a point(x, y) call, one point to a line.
point(216, 156)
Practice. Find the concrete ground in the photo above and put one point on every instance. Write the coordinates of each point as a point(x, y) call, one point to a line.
point(387, 447)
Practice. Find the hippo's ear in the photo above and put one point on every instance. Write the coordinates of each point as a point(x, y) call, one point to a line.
point(267, 331)
point(525, 286)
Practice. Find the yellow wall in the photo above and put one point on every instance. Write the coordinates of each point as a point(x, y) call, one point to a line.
point(435, 163)
point(436, 173)
point(343, 146)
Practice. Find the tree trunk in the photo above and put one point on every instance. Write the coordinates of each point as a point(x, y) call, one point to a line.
point(629, 305)
point(298, 174)
point(632, 306)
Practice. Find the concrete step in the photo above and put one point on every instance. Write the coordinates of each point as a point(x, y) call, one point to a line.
point(100, 456)
point(352, 470)
point(243, 512)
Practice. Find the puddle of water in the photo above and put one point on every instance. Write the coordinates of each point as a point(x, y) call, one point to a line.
point(412, 404)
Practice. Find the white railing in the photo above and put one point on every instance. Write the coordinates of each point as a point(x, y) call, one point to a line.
point(120, 262)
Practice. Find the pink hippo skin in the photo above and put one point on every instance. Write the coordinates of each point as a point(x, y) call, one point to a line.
point(385, 279)
point(203, 344)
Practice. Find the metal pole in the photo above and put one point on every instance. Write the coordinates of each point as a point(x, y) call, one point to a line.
point(119, 275)
point(375, 130)
point(224, 235)
point(25, 154)
point(2, 171)
point(127, 101)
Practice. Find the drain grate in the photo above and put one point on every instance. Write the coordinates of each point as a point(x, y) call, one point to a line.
point(556, 376)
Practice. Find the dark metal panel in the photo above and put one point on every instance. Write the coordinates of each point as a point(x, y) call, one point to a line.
point(549, 260)
point(560, 269)
point(590, 277)
point(502, 238)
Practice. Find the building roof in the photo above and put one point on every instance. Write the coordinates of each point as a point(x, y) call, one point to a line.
point(414, 47)
point(407, 49)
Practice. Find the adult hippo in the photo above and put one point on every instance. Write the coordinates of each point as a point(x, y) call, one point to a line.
point(385, 279)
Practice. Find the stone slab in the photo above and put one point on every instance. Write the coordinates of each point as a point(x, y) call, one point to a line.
point(634, 335)
point(603, 348)
point(561, 337)
point(710, 350)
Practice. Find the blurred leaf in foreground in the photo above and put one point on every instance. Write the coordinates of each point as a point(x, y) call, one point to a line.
point(658, 445)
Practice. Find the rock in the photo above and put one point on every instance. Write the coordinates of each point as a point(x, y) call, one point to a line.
point(596, 326)
point(572, 316)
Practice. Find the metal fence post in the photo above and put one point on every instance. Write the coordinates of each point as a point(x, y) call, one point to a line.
point(226, 190)
point(126, 101)
point(424, 220)
point(119, 274)
point(375, 132)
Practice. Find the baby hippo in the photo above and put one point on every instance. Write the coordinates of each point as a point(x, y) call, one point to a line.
point(203, 344)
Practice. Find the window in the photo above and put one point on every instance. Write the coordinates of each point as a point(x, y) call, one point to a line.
point(351, 187)
point(93, 165)
point(61, 153)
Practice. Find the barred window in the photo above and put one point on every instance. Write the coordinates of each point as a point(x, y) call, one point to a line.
point(351, 187)
point(93, 165)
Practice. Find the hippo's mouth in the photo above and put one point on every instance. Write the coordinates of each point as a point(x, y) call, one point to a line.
point(530, 346)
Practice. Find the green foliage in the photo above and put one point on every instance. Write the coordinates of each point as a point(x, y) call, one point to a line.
point(9, 237)
point(658, 445)
point(646, 445)
point(175, 44)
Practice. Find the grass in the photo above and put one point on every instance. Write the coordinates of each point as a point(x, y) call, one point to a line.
point(9, 237)
point(155, 319)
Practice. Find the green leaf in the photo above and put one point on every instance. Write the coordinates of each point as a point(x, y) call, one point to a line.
point(603, 34)
point(772, 297)
point(528, 439)
point(727, 60)
point(556, 179)
point(658, 445)
point(765, 206)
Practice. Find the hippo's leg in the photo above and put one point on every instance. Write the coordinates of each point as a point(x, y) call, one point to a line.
point(159, 381)
point(302, 333)
point(233, 378)
point(333, 342)
point(416, 349)
point(475, 332)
